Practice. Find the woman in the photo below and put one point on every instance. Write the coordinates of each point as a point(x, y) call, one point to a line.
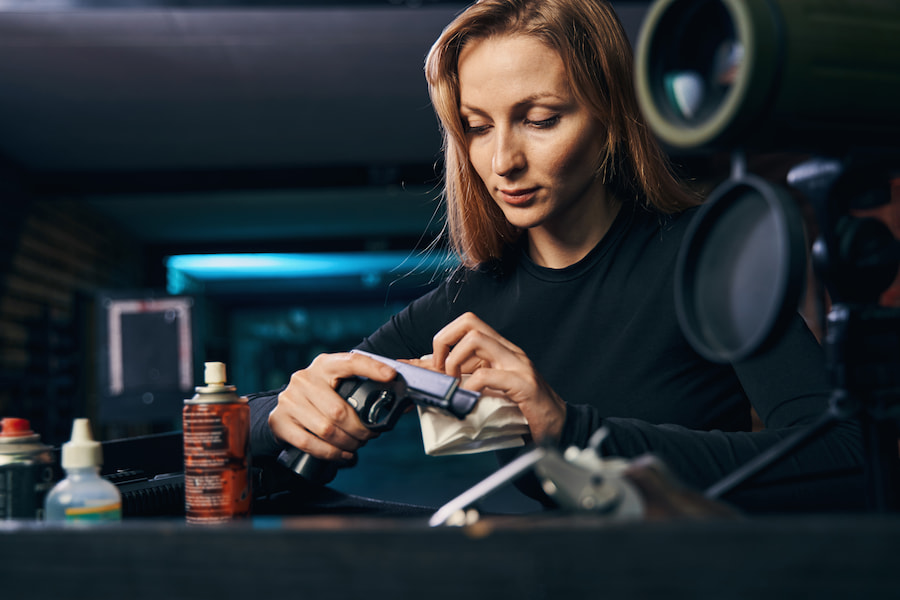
point(567, 221)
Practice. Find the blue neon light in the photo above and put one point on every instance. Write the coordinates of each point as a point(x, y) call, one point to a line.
point(368, 265)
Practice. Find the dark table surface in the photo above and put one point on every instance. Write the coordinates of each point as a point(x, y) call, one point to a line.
point(306, 543)
point(512, 556)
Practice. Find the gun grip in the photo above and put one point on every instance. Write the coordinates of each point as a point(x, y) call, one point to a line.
point(379, 406)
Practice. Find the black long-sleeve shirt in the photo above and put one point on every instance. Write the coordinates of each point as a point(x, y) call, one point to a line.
point(604, 334)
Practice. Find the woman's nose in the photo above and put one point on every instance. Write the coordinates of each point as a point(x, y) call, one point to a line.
point(508, 154)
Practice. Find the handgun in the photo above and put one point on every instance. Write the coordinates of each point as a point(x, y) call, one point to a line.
point(380, 404)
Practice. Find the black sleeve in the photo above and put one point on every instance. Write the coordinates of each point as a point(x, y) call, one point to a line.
point(262, 441)
point(408, 334)
point(788, 386)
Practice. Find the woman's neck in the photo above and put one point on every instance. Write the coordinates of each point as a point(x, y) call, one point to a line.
point(565, 243)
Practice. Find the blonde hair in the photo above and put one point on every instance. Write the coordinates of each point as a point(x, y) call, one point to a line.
point(598, 59)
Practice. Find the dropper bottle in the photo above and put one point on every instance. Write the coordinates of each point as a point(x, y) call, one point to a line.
point(83, 495)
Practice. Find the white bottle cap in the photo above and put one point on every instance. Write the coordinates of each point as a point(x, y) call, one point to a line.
point(214, 373)
point(81, 451)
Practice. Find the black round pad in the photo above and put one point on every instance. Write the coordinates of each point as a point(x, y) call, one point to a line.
point(741, 269)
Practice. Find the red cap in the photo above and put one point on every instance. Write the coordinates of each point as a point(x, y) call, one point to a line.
point(15, 427)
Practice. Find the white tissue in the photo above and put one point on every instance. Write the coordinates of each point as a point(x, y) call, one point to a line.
point(493, 424)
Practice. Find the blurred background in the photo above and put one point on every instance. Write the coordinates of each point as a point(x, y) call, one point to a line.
point(201, 180)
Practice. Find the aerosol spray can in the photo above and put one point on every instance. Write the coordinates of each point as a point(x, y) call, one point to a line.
point(27, 470)
point(216, 451)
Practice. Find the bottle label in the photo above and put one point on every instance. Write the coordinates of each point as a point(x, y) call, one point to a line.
point(216, 466)
point(104, 512)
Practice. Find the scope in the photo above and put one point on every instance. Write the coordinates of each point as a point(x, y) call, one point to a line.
point(800, 75)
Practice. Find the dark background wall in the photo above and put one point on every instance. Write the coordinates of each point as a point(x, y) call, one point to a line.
point(55, 257)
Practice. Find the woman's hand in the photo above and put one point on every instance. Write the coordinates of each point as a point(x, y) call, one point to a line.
point(312, 417)
point(468, 346)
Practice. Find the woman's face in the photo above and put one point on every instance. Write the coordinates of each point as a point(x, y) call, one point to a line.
point(532, 144)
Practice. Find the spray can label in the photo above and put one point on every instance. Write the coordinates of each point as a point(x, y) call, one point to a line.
point(216, 464)
point(27, 470)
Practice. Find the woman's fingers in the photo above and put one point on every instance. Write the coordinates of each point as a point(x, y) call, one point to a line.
point(468, 346)
point(425, 362)
point(476, 350)
point(312, 417)
point(334, 367)
point(544, 410)
point(467, 342)
point(302, 439)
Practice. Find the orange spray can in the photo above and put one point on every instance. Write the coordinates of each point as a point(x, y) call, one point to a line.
point(216, 425)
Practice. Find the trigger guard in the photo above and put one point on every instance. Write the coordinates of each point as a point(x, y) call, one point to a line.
point(367, 396)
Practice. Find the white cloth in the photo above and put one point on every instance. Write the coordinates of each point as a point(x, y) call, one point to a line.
point(493, 424)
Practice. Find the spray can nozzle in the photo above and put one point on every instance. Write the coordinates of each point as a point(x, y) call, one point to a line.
point(214, 373)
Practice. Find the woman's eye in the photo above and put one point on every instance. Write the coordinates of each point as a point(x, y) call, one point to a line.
point(476, 129)
point(543, 123)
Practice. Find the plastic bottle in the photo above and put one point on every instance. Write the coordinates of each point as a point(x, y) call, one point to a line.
point(83, 495)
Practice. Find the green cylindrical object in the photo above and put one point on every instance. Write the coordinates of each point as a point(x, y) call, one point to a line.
point(810, 75)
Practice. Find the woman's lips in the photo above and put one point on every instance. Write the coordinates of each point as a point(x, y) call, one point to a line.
point(517, 197)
